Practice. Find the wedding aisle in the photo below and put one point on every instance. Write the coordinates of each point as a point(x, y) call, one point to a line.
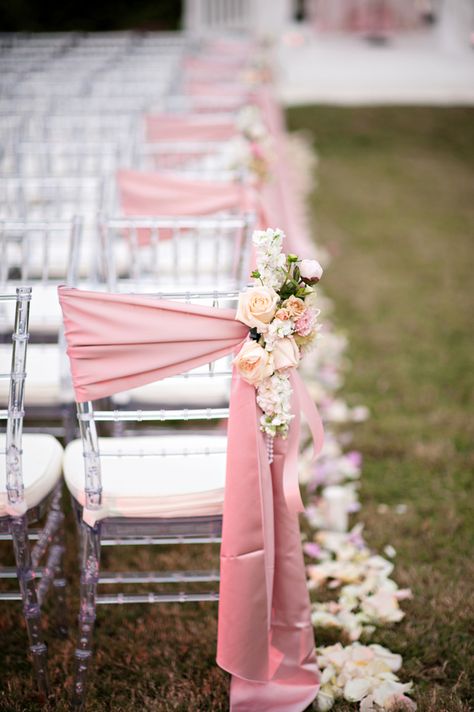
point(195, 164)
point(394, 207)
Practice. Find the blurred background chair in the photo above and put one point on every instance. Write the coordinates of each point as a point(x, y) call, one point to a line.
point(42, 254)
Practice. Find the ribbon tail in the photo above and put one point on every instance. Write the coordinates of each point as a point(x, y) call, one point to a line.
point(311, 413)
point(301, 402)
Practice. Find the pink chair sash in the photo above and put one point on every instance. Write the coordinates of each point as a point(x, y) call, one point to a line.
point(166, 127)
point(143, 193)
point(265, 638)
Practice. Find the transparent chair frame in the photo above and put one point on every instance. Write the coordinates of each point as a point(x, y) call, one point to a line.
point(51, 198)
point(115, 531)
point(203, 160)
point(35, 579)
point(226, 230)
point(23, 235)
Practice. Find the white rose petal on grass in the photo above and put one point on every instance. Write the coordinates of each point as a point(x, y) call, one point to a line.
point(325, 699)
point(393, 660)
point(355, 690)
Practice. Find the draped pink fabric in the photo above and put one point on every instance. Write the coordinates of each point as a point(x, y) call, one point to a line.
point(265, 638)
point(171, 127)
point(279, 195)
point(145, 193)
point(161, 195)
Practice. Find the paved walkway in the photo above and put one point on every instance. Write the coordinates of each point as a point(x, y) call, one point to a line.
point(413, 68)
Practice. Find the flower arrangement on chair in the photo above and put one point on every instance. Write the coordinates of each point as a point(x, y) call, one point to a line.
point(280, 311)
point(251, 149)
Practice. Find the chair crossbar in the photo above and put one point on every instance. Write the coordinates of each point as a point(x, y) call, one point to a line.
point(209, 223)
point(182, 597)
point(116, 577)
point(156, 415)
point(10, 572)
point(164, 540)
point(13, 596)
point(33, 535)
point(164, 453)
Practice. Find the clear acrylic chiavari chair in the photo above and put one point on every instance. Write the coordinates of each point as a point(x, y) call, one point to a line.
point(200, 160)
point(58, 158)
point(161, 488)
point(30, 492)
point(42, 254)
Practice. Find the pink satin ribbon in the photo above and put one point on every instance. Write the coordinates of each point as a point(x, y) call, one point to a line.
point(265, 639)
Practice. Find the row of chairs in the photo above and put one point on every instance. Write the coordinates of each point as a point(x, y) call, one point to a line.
point(134, 477)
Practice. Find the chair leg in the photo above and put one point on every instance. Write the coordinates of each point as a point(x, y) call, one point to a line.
point(90, 546)
point(69, 422)
point(31, 608)
point(59, 581)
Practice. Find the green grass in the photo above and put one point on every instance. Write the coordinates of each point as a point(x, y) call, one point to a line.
point(395, 206)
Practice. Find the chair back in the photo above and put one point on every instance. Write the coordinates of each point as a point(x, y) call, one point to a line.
point(175, 253)
point(13, 416)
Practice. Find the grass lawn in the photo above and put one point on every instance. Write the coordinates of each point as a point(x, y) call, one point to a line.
point(395, 204)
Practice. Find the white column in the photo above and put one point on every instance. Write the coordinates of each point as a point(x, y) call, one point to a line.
point(456, 23)
point(271, 16)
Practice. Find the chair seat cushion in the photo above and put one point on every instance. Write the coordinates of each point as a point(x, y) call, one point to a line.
point(159, 476)
point(43, 382)
point(41, 463)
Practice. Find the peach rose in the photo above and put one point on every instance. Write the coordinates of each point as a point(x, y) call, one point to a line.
point(253, 363)
point(257, 307)
point(285, 353)
point(295, 306)
point(282, 314)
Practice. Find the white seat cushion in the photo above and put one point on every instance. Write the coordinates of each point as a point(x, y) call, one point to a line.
point(183, 476)
point(43, 371)
point(41, 466)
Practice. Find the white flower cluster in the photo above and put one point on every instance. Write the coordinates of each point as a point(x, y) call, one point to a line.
point(274, 398)
point(250, 124)
point(274, 393)
point(277, 329)
point(269, 257)
point(364, 674)
point(368, 596)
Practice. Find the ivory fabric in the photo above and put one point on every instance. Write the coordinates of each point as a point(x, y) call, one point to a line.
point(265, 639)
point(41, 470)
point(190, 484)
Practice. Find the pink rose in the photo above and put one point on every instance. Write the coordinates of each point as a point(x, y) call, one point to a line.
point(295, 306)
point(253, 363)
point(311, 270)
point(305, 324)
point(257, 307)
point(285, 353)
